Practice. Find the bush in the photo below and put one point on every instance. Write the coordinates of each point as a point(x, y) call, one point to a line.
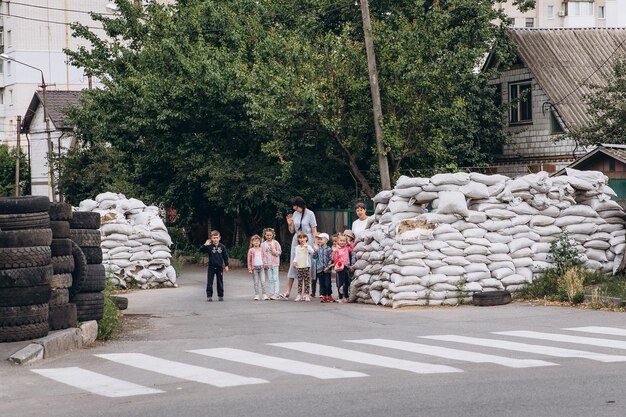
point(239, 252)
point(110, 323)
point(564, 281)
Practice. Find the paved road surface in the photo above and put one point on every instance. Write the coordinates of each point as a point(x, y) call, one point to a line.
point(182, 356)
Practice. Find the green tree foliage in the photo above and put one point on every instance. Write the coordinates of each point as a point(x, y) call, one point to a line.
point(236, 105)
point(606, 105)
point(7, 172)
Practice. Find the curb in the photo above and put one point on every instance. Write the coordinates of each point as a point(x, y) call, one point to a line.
point(56, 343)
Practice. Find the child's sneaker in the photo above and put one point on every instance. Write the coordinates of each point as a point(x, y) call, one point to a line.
point(256, 298)
point(323, 300)
point(307, 298)
point(298, 298)
point(265, 297)
point(330, 299)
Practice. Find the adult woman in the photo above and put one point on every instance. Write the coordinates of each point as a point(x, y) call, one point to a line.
point(360, 224)
point(302, 220)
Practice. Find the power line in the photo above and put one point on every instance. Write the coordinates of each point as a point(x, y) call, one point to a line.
point(592, 74)
point(58, 8)
point(45, 21)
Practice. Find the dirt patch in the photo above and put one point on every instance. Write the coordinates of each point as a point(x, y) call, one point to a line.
point(135, 327)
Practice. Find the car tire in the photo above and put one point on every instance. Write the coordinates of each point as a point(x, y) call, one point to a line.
point(24, 221)
point(24, 204)
point(93, 255)
point(12, 258)
point(25, 277)
point(491, 298)
point(23, 296)
point(60, 211)
point(25, 238)
point(24, 332)
point(20, 315)
point(60, 229)
point(61, 247)
point(85, 220)
point(86, 238)
point(62, 317)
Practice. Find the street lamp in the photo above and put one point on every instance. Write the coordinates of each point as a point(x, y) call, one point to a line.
point(43, 86)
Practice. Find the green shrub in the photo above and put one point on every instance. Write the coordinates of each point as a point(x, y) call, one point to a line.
point(110, 323)
point(239, 252)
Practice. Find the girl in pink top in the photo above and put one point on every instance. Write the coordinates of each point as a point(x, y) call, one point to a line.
point(257, 263)
point(272, 250)
point(341, 258)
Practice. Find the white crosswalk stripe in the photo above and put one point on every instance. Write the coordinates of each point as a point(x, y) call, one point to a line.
point(95, 383)
point(528, 348)
point(181, 370)
point(280, 364)
point(367, 358)
point(613, 331)
point(592, 341)
point(455, 354)
point(108, 386)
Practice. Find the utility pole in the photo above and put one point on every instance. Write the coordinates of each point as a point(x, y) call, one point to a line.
point(383, 164)
point(50, 150)
point(17, 157)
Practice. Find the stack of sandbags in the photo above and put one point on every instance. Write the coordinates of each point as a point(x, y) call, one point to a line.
point(481, 233)
point(135, 242)
point(61, 313)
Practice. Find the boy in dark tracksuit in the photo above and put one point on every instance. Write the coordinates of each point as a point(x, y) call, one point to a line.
point(218, 262)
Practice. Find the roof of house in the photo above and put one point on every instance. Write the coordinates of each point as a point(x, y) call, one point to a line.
point(562, 59)
point(57, 103)
point(612, 150)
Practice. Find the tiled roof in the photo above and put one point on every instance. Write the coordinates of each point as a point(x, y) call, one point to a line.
point(561, 59)
point(57, 102)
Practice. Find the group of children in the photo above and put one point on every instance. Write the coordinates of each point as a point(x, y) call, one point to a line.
point(264, 257)
point(264, 261)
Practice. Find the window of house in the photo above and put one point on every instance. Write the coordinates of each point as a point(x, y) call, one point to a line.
point(550, 12)
point(579, 8)
point(530, 22)
point(601, 14)
point(1, 95)
point(520, 98)
point(9, 38)
point(8, 68)
point(10, 97)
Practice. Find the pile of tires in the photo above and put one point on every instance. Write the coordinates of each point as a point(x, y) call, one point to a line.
point(25, 267)
point(89, 276)
point(61, 313)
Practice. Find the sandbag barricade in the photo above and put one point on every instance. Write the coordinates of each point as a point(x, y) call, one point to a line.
point(438, 240)
point(135, 241)
point(25, 267)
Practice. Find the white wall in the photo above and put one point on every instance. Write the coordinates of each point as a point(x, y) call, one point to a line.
point(35, 33)
point(615, 13)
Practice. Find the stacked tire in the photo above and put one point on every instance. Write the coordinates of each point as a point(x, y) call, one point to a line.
point(61, 313)
point(25, 267)
point(89, 277)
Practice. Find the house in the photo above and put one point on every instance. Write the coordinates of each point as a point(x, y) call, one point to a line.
point(544, 92)
point(59, 130)
point(610, 159)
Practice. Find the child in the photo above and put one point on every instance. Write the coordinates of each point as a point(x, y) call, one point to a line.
point(218, 262)
point(257, 263)
point(341, 258)
point(302, 263)
point(323, 254)
point(334, 248)
point(272, 250)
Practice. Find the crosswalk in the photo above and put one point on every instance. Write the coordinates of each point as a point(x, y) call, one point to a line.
point(340, 355)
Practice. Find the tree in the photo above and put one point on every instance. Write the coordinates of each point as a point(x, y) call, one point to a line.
point(606, 105)
point(236, 105)
point(7, 172)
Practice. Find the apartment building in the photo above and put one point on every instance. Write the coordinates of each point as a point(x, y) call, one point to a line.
point(569, 14)
point(33, 35)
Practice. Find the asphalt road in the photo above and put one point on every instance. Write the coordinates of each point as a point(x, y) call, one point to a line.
point(182, 356)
